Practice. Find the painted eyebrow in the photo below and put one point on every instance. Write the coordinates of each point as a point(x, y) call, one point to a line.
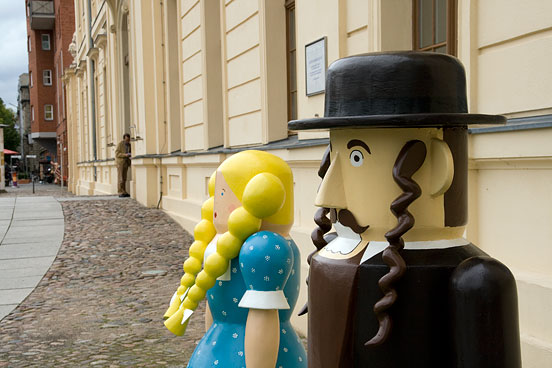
point(357, 142)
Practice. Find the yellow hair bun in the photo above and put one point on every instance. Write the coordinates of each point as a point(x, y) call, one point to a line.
point(204, 231)
point(204, 281)
point(216, 264)
point(264, 195)
point(228, 246)
point(211, 184)
point(186, 280)
point(196, 293)
point(197, 249)
point(207, 209)
point(242, 223)
point(192, 265)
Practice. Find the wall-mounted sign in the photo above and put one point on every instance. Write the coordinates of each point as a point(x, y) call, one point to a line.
point(315, 66)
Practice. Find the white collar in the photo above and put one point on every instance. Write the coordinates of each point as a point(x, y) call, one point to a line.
point(375, 247)
point(345, 242)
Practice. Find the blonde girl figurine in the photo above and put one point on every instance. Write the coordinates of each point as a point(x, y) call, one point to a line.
point(250, 272)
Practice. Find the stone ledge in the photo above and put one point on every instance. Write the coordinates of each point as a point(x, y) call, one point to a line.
point(527, 123)
point(535, 353)
point(535, 304)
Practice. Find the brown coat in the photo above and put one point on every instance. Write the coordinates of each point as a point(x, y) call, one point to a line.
point(120, 154)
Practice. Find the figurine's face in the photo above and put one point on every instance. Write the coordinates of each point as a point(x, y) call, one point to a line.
point(359, 183)
point(225, 202)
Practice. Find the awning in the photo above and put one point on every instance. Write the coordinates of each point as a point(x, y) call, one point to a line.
point(10, 152)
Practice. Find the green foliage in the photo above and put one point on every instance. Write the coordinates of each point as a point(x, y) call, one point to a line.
point(11, 135)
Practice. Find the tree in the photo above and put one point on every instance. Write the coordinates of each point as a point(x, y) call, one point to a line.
point(11, 135)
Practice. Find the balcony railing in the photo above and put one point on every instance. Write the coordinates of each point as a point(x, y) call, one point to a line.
point(42, 14)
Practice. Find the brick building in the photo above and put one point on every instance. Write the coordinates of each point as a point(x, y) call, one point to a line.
point(29, 147)
point(50, 27)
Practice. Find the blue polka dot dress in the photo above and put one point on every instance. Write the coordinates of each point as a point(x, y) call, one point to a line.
point(265, 275)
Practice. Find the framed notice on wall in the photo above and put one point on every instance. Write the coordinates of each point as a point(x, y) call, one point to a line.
point(315, 67)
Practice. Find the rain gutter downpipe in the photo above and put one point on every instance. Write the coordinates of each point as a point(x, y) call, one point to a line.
point(92, 87)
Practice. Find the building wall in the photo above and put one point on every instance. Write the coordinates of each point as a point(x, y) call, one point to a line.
point(24, 114)
point(511, 170)
point(64, 29)
point(40, 60)
point(207, 78)
point(51, 133)
point(2, 161)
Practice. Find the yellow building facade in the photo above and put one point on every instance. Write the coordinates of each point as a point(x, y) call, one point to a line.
point(194, 81)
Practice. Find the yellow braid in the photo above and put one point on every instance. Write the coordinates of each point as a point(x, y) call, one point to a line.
point(263, 196)
point(204, 232)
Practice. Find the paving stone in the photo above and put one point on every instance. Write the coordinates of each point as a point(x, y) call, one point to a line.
point(5, 310)
point(37, 262)
point(10, 282)
point(96, 280)
point(35, 222)
point(151, 273)
point(14, 296)
point(23, 250)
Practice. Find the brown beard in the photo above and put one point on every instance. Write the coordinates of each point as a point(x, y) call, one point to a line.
point(346, 218)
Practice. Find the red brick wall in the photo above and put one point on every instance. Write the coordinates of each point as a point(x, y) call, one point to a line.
point(56, 59)
point(40, 60)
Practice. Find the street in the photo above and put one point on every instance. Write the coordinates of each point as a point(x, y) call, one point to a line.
point(101, 302)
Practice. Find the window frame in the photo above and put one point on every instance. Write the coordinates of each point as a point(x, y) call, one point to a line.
point(46, 113)
point(44, 72)
point(451, 39)
point(42, 40)
point(291, 94)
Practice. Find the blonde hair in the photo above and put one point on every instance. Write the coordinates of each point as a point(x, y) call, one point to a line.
point(263, 183)
point(204, 232)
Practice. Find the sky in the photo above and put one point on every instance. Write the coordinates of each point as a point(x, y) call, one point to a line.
point(13, 48)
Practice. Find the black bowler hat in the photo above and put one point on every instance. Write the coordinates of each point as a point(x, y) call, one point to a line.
point(396, 90)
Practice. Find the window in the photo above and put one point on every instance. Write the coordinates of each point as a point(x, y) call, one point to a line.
point(434, 23)
point(31, 79)
point(32, 113)
point(45, 41)
point(29, 43)
point(48, 112)
point(291, 60)
point(47, 77)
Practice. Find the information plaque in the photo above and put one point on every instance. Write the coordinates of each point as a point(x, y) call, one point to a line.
point(315, 67)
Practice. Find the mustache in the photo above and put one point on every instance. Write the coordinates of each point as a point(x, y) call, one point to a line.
point(346, 218)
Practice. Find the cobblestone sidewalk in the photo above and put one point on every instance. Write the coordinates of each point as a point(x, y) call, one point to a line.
point(97, 306)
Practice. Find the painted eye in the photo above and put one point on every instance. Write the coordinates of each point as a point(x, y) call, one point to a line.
point(356, 158)
point(221, 193)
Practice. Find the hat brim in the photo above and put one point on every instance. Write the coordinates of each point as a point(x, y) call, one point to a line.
point(398, 121)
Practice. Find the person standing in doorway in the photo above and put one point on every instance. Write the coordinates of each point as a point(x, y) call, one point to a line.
point(122, 157)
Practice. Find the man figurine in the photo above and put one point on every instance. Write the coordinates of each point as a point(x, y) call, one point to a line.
point(399, 286)
point(122, 157)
